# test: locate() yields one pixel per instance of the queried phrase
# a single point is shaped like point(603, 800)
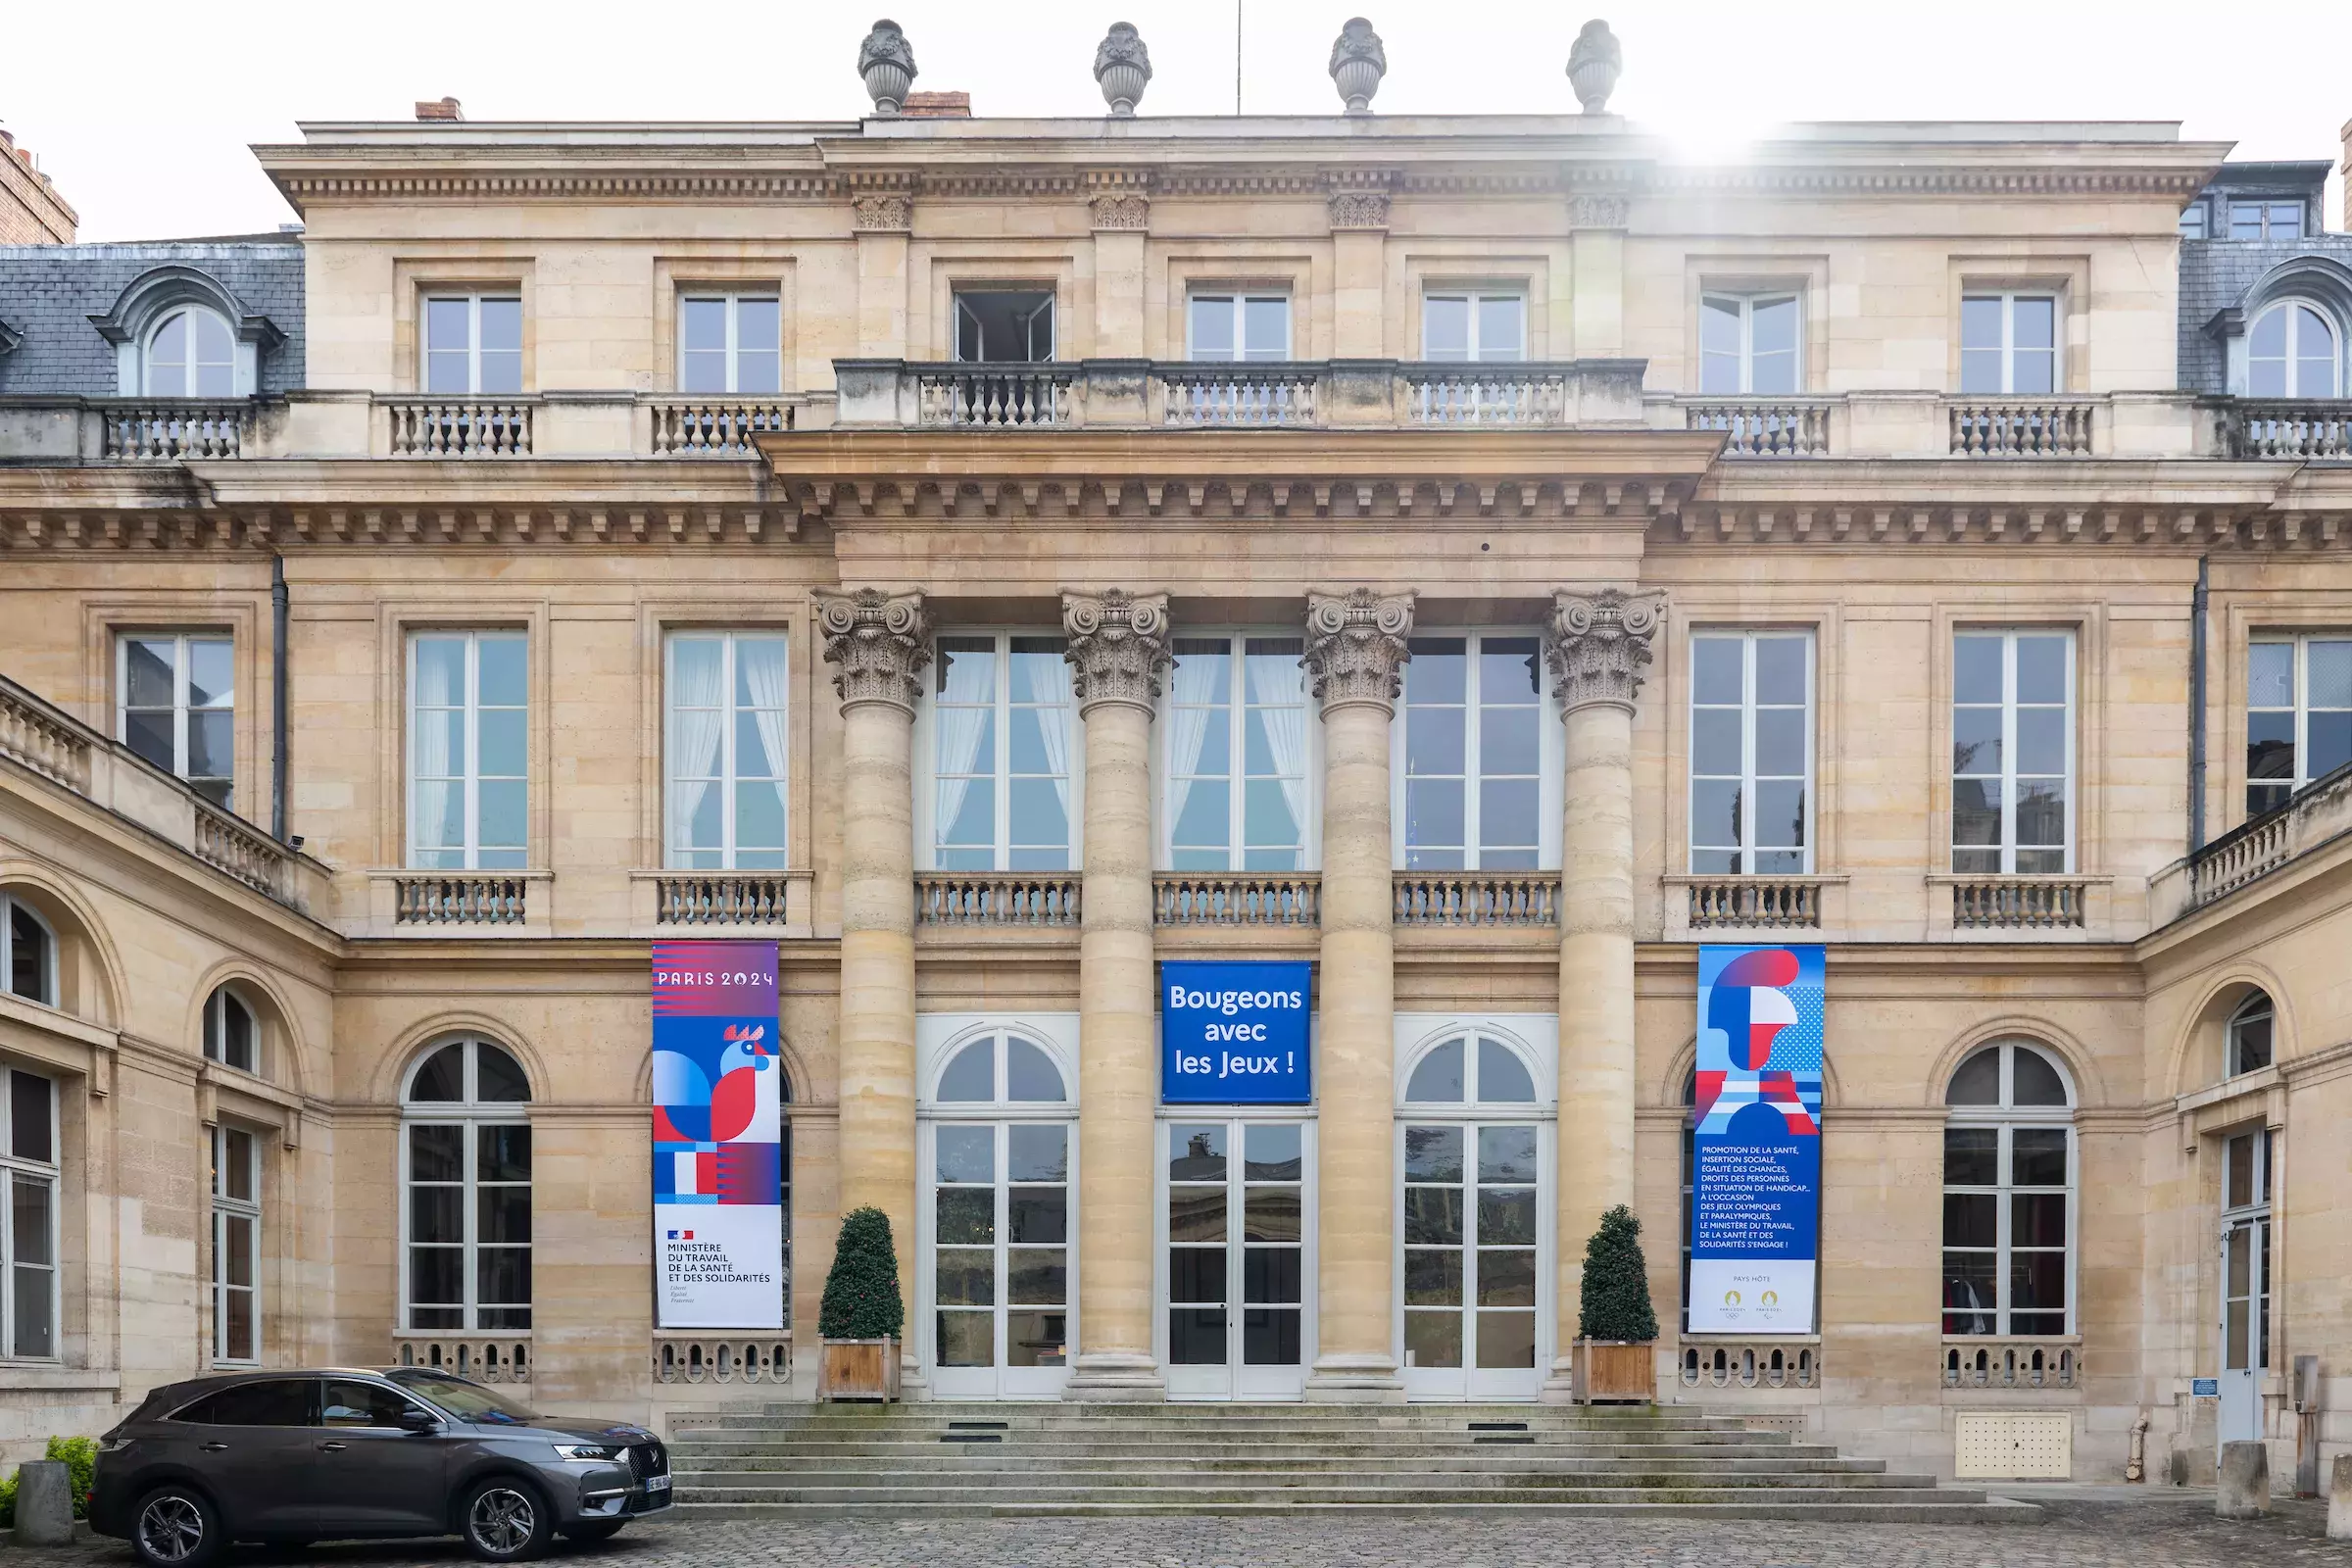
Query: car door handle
point(214, 1447)
point(332, 1448)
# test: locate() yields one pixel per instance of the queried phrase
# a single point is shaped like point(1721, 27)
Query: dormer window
point(2292, 352)
point(2266, 219)
point(192, 353)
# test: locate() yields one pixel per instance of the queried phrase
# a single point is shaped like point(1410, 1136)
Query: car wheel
point(504, 1520)
point(176, 1527)
point(595, 1530)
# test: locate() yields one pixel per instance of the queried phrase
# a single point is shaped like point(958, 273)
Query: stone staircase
point(1058, 1460)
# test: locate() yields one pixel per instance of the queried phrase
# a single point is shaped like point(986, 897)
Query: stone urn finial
point(1123, 65)
point(887, 64)
point(1595, 61)
point(1357, 63)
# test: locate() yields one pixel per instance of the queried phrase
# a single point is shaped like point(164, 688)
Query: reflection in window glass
point(2008, 1196)
point(2298, 715)
point(1752, 752)
point(175, 706)
point(1474, 781)
point(730, 343)
point(2012, 752)
point(473, 344)
point(29, 1167)
point(1001, 727)
point(468, 751)
point(467, 1212)
point(2009, 344)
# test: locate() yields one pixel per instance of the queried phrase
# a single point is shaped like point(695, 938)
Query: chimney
point(938, 105)
point(441, 109)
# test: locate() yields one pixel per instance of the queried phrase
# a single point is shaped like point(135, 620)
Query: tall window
point(730, 343)
point(1237, 755)
point(2246, 1196)
point(2266, 219)
point(465, 1225)
point(473, 343)
point(2009, 343)
point(1000, 754)
point(2292, 352)
point(2250, 1028)
point(236, 1245)
point(1752, 752)
point(231, 1035)
point(727, 784)
point(1747, 344)
point(2008, 1194)
point(29, 1220)
point(1013, 325)
point(468, 751)
point(1473, 779)
point(2298, 715)
point(192, 353)
point(1239, 325)
point(1470, 324)
point(175, 706)
point(28, 952)
point(2013, 752)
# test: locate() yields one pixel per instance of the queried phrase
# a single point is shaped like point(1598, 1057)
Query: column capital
point(881, 642)
point(1118, 646)
point(1598, 643)
point(1355, 649)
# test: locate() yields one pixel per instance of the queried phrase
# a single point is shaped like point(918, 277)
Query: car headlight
point(582, 1450)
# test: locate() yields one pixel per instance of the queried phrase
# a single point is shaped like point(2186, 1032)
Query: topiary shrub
point(1616, 1293)
point(861, 1293)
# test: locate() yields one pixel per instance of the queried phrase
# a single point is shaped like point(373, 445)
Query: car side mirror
point(414, 1420)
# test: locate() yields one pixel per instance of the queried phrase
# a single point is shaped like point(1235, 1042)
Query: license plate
point(656, 1482)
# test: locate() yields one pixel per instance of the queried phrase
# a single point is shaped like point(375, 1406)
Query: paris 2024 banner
point(1755, 1194)
point(718, 1148)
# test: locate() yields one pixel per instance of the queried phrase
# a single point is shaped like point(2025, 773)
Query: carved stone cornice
point(1598, 645)
point(1130, 212)
point(1118, 646)
point(1359, 208)
point(888, 213)
point(1356, 646)
point(880, 643)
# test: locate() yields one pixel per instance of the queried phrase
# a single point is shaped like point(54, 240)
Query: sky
point(151, 140)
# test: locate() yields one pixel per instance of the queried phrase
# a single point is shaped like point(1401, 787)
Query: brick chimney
point(441, 109)
point(938, 105)
point(31, 212)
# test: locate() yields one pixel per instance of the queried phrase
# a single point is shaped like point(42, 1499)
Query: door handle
point(332, 1448)
point(214, 1447)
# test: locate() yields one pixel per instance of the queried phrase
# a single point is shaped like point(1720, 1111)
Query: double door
point(998, 1272)
point(1475, 1255)
point(2245, 1284)
point(1237, 1227)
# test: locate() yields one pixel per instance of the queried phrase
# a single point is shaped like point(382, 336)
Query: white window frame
point(2301, 643)
point(1477, 352)
point(467, 1115)
point(474, 299)
point(2256, 1007)
point(1747, 305)
point(2009, 775)
point(2009, 350)
point(928, 827)
point(472, 779)
point(216, 1029)
point(1236, 1378)
point(1237, 301)
point(729, 777)
point(2197, 220)
point(240, 374)
point(2268, 207)
point(732, 300)
point(1550, 753)
point(50, 996)
point(2008, 1117)
point(13, 1168)
point(184, 644)
point(1237, 704)
point(1747, 638)
point(227, 1209)
point(2294, 307)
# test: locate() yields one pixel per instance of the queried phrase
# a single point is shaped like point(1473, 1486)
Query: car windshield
point(460, 1398)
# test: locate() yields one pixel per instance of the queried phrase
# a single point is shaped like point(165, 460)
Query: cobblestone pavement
point(2150, 1534)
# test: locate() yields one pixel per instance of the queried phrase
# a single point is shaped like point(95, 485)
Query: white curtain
point(1275, 687)
point(436, 690)
point(697, 695)
point(1194, 686)
point(1049, 680)
point(762, 661)
point(962, 716)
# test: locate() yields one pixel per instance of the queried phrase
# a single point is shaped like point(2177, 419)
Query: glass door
point(1000, 1269)
point(1477, 1298)
point(2245, 1284)
point(1235, 1214)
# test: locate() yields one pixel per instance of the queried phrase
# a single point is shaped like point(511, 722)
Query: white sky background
point(148, 137)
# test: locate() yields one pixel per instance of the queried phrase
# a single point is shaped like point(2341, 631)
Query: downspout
point(2196, 711)
point(277, 697)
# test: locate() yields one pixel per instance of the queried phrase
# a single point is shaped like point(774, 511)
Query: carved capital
point(1118, 646)
point(883, 215)
point(1127, 212)
point(880, 642)
point(1598, 645)
point(1359, 208)
point(1355, 648)
point(1599, 210)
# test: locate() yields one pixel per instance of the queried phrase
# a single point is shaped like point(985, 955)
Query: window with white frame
point(2266, 219)
point(1752, 752)
point(176, 704)
point(2195, 220)
point(1475, 779)
point(473, 344)
point(236, 1243)
point(2013, 752)
point(1240, 324)
point(2008, 1194)
point(2249, 1035)
point(468, 751)
point(2292, 352)
point(730, 343)
point(1235, 757)
point(2009, 343)
point(726, 748)
point(2298, 715)
point(1001, 727)
point(1747, 345)
point(1469, 325)
point(28, 1159)
point(28, 952)
point(232, 1035)
point(466, 1177)
point(192, 353)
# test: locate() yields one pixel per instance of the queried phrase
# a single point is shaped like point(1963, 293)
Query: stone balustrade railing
point(1978, 1363)
point(2019, 902)
point(2315, 815)
point(997, 898)
point(176, 430)
point(1778, 1363)
point(763, 1360)
point(2298, 430)
point(459, 428)
point(1477, 898)
point(460, 897)
point(1236, 898)
point(714, 426)
point(484, 1358)
point(43, 739)
point(994, 396)
point(1755, 901)
point(731, 898)
point(244, 851)
point(1503, 393)
point(1238, 394)
point(1763, 428)
point(2019, 427)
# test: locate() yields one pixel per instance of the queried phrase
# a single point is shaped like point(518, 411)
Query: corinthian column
point(879, 643)
point(1356, 647)
point(1597, 645)
point(1118, 651)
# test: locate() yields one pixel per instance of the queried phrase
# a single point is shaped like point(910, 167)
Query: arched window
point(1000, 1068)
point(1469, 1069)
point(2009, 1171)
point(232, 1035)
point(192, 353)
point(28, 952)
point(467, 1177)
point(2250, 1028)
point(2292, 352)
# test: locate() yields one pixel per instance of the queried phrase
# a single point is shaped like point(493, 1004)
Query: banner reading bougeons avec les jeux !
point(719, 1155)
point(1755, 1188)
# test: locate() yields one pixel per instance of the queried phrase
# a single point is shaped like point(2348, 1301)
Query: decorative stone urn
point(1595, 61)
point(1123, 65)
point(1357, 63)
point(887, 64)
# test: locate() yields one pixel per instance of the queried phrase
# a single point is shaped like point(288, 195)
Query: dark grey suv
point(343, 1453)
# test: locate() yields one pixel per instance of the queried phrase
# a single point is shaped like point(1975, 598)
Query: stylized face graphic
point(1747, 1005)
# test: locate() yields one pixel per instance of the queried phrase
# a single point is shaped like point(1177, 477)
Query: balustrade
point(1762, 427)
point(250, 855)
point(34, 733)
point(997, 898)
point(459, 428)
point(2297, 429)
point(996, 396)
point(1754, 902)
point(1478, 897)
point(1226, 394)
point(484, 1358)
point(706, 1359)
point(715, 427)
point(723, 898)
point(460, 898)
point(2019, 427)
point(174, 429)
point(2260, 847)
point(2011, 1364)
point(2027, 903)
point(1486, 394)
point(1760, 1364)
point(1240, 897)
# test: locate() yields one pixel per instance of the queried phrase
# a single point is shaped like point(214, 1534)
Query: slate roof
point(48, 294)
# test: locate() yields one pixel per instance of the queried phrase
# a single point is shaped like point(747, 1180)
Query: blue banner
point(1234, 1034)
point(1755, 1198)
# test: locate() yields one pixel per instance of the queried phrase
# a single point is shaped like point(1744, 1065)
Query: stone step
point(690, 1453)
point(716, 1483)
point(1051, 1413)
point(1942, 1507)
point(992, 1459)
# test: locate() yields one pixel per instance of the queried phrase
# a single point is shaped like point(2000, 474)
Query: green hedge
point(861, 1299)
point(80, 1456)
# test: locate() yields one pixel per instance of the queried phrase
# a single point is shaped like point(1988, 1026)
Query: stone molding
point(1359, 208)
point(1118, 646)
point(879, 640)
point(882, 214)
point(1129, 211)
point(1599, 210)
point(1598, 645)
point(1356, 646)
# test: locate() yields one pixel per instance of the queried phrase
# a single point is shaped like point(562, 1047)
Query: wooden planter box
point(858, 1369)
point(1616, 1372)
